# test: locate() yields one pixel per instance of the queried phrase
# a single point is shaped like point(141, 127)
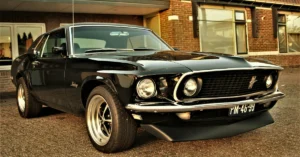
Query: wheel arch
point(90, 83)
point(21, 74)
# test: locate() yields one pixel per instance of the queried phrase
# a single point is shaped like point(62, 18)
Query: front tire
point(27, 105)
point(110, 127)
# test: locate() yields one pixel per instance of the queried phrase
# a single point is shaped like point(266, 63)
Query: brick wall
point(5, 83)
point(282, 60)
point(265, 40)
point(287, 1)
point(179, 33)
point(53, 20)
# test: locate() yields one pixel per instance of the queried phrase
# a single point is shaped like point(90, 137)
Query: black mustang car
point(122, 77)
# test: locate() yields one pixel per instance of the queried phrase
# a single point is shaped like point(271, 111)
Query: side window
point(55, 39)
point(40, 46)
point(34, 44)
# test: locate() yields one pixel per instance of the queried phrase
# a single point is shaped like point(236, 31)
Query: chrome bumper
point(169, 107)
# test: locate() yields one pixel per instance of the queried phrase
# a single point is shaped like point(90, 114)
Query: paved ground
point(61, 134)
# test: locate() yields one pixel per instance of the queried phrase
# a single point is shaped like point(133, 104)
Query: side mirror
point(59, 50)
point(176, 49)
point(34, 55)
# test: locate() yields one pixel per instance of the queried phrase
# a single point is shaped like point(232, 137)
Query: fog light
point(184, 116)
point(266, 105)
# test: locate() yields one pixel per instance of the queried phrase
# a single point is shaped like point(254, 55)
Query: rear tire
point(27, 105)
point(110, 127)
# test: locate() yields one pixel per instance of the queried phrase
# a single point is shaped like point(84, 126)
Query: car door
point(48, 71)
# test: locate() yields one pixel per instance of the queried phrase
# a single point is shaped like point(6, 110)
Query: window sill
point(269, 53)
point(5, 67)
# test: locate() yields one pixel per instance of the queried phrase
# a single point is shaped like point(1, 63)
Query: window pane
point(282, 39)
point(40, 46)
point(240, 16)
point(215, 15)
point(115, 38)
point(5, 46)
point(56, 39)
point(241, 38)
point(26, 35)
point(90, 43)
point(281, 18)
point(293, 30)
point(217, 37)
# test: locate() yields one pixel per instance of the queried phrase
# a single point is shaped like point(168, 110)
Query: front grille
point(229, 83)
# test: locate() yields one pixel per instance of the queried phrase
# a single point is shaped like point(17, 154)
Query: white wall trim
point(260, 53)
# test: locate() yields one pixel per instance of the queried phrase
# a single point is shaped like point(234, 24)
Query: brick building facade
point(179, 32)
point(268, 29)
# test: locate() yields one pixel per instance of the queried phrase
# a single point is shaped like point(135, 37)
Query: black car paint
point(50, 79)
point(63, 82)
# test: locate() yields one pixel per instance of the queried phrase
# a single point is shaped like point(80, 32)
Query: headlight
point(269, 81)
point(191, 87)
point(146, 88)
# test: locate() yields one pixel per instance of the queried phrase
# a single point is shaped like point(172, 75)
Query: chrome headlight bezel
point(198, 84)
point(139, 88)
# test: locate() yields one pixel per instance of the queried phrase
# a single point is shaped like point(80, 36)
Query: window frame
point(235, 23)
point(284, 24)
point(7, 67)
point(14, 41)
point(243, 23)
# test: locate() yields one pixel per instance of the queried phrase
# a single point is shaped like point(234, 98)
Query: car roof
point(98, 24)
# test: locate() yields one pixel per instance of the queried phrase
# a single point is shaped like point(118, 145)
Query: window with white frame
point(289, 33)
point(222, 31)
point(15, 40)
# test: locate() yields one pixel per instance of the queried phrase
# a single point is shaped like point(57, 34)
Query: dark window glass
point(55, 39)
point(40, 46)
point(34, 44)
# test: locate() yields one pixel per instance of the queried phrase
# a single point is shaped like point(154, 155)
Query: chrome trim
point(189, 100)
point(216, 70)
point(169, 107)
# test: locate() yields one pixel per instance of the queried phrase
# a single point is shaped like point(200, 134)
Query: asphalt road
point(61, 134)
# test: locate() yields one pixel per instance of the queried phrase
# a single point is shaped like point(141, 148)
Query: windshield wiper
point(101, 50)
point(107, 50)
point(144, 49)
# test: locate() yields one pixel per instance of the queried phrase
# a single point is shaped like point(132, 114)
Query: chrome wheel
point(99, 120)
point(21, 98)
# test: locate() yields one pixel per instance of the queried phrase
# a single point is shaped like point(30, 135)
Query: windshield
point(88, 39)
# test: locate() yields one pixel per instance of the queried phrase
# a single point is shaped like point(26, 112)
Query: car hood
point(175, 61)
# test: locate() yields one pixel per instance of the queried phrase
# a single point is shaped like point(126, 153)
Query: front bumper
point(174, 107)
point(196, 132)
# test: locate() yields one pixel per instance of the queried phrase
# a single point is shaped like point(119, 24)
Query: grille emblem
point(251, 83)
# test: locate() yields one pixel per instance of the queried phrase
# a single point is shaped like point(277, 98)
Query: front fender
point(101, 80)
point(120, 84)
